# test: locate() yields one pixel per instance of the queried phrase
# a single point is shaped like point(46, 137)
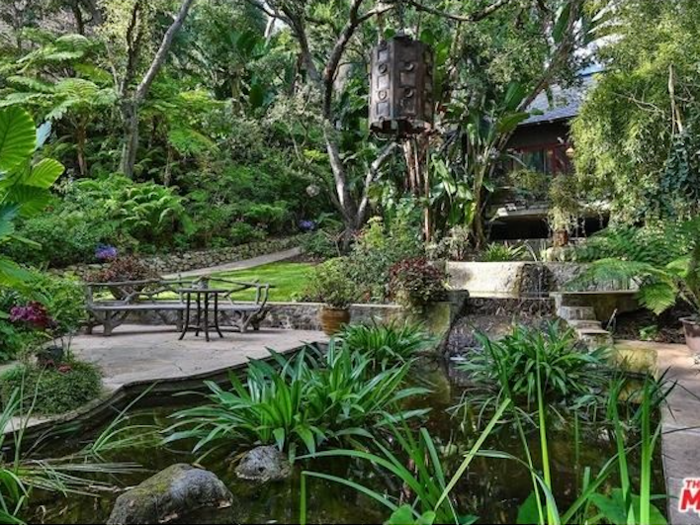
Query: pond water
point(492, 489)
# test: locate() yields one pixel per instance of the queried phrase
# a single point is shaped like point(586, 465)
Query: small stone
point(264, 464)
point(175, 491)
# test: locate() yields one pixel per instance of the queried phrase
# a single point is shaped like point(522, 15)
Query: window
point(549, 159)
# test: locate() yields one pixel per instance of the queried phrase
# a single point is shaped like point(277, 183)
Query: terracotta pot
point(691, 326)
point(333, 319)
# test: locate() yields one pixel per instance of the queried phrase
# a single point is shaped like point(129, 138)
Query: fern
point(665, 269)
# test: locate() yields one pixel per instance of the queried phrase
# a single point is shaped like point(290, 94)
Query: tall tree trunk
point(130, 118)
point(418, 181)
point(130, 104)
point(478, 230)
point(81, 136)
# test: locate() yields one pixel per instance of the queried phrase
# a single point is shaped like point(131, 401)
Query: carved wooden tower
point(401, 95)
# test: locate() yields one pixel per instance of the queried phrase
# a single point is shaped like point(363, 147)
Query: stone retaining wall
point(438, 317)
point(186, 261)
point(512, 279)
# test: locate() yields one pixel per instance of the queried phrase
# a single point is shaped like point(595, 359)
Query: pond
point(492, 489)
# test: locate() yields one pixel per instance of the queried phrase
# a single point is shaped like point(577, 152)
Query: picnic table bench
point(109, 304)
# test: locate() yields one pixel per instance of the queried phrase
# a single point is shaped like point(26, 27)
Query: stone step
point(595, 337)
point(584, 324)
point(576, 313)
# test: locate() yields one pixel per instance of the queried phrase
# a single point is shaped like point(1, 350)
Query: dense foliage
point(41, 309)
point(417, 282)
point(329, 284)
point(387, 344)
point(636, 134)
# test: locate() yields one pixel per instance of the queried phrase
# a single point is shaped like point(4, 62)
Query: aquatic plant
point(387, 344)
point(308, 400)
point(20, 473)
point(424, 480)
point(570, 374)
point(617, 505)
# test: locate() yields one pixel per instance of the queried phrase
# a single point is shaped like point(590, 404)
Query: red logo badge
point(690, 496)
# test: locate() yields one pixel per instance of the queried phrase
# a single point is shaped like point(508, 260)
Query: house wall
point(540, 135)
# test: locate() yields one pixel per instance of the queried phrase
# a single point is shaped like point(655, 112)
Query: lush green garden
point(143, 139)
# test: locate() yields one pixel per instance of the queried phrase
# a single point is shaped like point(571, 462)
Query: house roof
point(559, 103)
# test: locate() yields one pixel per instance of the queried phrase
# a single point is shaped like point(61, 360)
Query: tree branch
point(473, 17)
point(560, 55)
point(341, 44)
point(372, 172)
point(162, 52)
point(131, 49)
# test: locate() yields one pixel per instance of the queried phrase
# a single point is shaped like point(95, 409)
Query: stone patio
point(142, 355)
point(153, 353)
point(680, 442)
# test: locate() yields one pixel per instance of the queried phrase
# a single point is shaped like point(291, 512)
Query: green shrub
point(53, 390)
point(63, 300)
point(312, 398)
point(330, 284)
point(387, 344)
point(63, 238)
point(109, 210)
point(242, 233)
point(657, 245)
point(497, 252)
point(376, 251)
point(321, 244)
point(455, 246)
point(269, 217)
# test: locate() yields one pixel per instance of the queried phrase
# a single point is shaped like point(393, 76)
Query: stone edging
point(94, 413)
point(195, 260)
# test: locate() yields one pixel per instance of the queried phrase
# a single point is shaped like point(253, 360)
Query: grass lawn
point(288, 279)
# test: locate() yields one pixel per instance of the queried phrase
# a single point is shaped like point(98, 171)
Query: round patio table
point(202, 298)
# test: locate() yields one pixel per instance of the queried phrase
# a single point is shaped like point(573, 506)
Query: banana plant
point(24, 180)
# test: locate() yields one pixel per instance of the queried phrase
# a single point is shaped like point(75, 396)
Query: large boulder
point(172, 492)
point(264, 464)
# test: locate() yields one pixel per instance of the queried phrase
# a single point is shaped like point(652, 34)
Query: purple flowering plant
point(105, 252)
point(307, 225)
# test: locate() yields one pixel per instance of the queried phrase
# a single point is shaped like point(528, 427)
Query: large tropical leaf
point(8, 212)
point(44, 174)
point(32, 200)
point(17, 137)
point(11, 274)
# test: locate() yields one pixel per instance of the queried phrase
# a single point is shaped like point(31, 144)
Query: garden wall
point(511, 279)
point(186, 261)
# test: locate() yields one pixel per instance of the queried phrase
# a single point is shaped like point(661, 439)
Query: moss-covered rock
point(169, 494)
point(264, 464)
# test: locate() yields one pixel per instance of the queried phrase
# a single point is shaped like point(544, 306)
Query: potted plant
point(331, 286)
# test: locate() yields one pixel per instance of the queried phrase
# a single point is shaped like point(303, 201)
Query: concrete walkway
point(239, 265)
point(680, 443)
